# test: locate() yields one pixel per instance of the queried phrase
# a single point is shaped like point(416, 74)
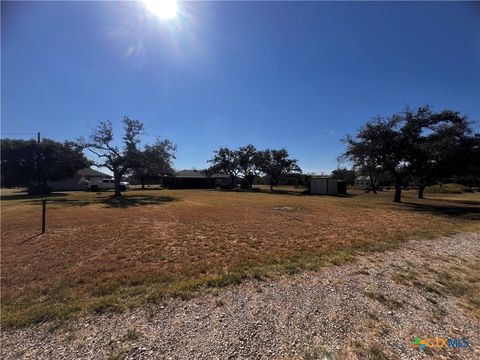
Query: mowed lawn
point(101, 254)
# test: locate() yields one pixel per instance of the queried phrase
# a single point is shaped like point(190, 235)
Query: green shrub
point(448, 189)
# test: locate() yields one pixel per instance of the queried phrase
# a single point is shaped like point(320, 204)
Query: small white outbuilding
point(323, 185)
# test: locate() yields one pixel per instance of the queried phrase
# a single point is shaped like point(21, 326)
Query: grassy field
point(101, 254)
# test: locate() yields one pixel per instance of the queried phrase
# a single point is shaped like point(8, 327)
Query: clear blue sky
point(300, 75)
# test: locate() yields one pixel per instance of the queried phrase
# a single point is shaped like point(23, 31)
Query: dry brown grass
point(100, 254)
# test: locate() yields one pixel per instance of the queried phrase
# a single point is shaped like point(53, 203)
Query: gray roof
point(91, 172)
point(198, 174)
point(362, 178)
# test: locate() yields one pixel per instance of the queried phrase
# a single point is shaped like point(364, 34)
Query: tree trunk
point(372, 182)
point(142, 181)
point(398, 189)
point(421, 189)
point(271, 185)
point(250, 179)
point(117, 177)
point(233, 181)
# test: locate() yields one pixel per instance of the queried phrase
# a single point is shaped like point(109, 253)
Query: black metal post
point(44, 208)
point(39, 165)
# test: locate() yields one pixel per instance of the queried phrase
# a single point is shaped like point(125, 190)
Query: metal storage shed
point(323, 185)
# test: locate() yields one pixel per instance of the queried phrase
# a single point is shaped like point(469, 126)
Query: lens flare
point(163, 9)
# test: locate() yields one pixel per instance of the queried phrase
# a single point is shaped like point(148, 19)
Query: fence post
point(44, 206)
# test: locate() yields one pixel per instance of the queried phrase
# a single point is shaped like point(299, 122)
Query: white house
point(78, 181)
point(363, 182)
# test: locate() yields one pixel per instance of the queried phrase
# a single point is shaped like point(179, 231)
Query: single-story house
point(198, 179)
point(78, 181)
point(363, 182)
point(326, 185)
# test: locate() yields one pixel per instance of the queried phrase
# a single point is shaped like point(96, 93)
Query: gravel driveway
point(370, 308)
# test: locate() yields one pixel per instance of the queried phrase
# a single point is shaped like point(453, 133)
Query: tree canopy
point(119, 160)
point(128, 157)
point(250, 162)
point(155, 161)
point(225, 161)
point(344, 174)
point(32, 164)
point(275, 163)
point(419, 143)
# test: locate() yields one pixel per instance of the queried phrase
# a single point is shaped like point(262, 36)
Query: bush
point(448, 189)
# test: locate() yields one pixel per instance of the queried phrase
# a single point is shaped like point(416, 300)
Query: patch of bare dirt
point(371, 308)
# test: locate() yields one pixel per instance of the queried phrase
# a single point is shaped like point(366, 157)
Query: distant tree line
point(33, 164)
point(418, 144)
point(249, 163)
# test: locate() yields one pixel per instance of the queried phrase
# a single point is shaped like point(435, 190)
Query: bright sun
point(163, 9)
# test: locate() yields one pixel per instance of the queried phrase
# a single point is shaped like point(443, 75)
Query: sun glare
point(163, 9)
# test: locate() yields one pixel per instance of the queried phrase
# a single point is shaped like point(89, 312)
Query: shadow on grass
point(453, 201)
point(137, 200)
point(347, 196)
point(25, 196)
point(31, 237)
point(112, 202)
point(468, 211)
point(301, 193)
point(277, 192)
point(146, 188)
